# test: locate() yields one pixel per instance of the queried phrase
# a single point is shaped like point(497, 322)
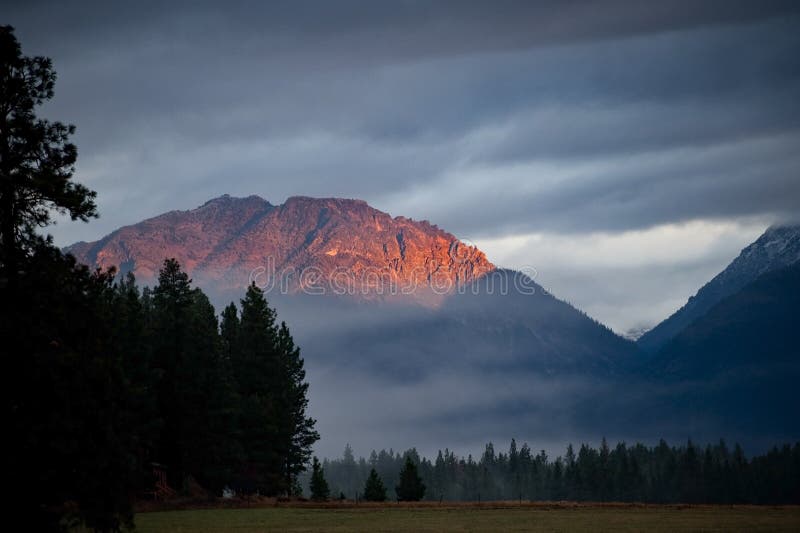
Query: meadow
point(474, 517)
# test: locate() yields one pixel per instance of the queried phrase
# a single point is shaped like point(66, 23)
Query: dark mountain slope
point(778, 247)
point(752, 330)
point(503, 322)
point(733, 372)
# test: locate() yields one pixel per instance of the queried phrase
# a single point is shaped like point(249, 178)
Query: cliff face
point(312, 245)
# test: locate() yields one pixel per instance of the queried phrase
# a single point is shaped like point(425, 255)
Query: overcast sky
point(627, 150)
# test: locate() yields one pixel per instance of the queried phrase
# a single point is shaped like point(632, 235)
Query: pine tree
point(196, 394)
point(65, 397)
point(130, 337)
point(36, 158)
point(211, 413)
point(319, 486)
point(349, 469)
point(277, 434)
point(229, 331)
point(71, 411)
point(257, 368)
point(172, 302)
point(374, 491)
point(411, 488)
point(299, 432)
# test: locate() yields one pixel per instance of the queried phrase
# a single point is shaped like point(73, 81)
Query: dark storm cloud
point(405, 30)
point(745, 178)
point(684, 109)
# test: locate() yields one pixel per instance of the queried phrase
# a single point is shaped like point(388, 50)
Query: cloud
point(565, 118)
point(443, 409)
point(632, 278)
point(754, 177)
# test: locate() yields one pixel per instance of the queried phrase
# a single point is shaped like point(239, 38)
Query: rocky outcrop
point(313, 245)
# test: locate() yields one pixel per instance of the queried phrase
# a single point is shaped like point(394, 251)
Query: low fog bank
point(488, 368)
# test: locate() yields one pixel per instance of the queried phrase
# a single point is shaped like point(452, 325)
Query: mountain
point(778, 247)
point(503, 322)
point(748, 332)
point(736, 368)
point(427, 330)
point(311, 245)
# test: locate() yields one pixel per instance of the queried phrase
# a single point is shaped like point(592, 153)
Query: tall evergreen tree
point(299, 431)
point(71, 413)
point(411, 488)
point(277, 433)
point(36, 158)
point(196, 395)
point(374, 491)
point(319, 486)
point(130, 337)
point(65, 396)
point(172, 302)
point(257, 369)
point(211, 404)
point(229, 331)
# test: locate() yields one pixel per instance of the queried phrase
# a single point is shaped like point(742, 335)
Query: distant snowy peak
point(778, 247)
point(633, 334)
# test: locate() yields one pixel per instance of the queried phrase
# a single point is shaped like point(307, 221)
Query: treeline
point(637, 473)
point(108, 384)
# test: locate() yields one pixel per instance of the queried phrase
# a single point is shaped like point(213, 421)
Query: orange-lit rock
point(331, 245)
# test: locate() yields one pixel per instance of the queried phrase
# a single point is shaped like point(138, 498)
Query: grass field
point(536, 517)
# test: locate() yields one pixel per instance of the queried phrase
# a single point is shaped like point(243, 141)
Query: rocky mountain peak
point(332, 245)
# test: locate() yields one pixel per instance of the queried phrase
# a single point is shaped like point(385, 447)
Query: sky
point(625, 150)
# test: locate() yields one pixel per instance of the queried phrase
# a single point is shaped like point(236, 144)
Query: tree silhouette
point(319, 486)
point(65, 396)
point(276, 432)
point(299, 432)
point(374, 491)
point(411, 488)
point(36, 158)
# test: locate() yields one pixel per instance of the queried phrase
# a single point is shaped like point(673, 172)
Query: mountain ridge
point(227, 241)
point(777, 247)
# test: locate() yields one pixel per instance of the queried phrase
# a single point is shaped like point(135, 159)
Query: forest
point(659, 474)
point(112, 385)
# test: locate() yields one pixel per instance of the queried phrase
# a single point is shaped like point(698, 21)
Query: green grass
point(471, 518)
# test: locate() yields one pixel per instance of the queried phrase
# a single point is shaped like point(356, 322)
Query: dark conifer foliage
point(104, 382)
point(319, 486)
point(298, 433)
point(410, 488)
point(36, 158)
point(232, 397)
point(109, 380)
point(69, 409)
point(689, 473)
point(256, 367)
point(374, 490)
point(75, 416)
point(229, 330)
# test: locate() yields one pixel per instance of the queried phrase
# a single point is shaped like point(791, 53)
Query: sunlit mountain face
point(313, 246)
